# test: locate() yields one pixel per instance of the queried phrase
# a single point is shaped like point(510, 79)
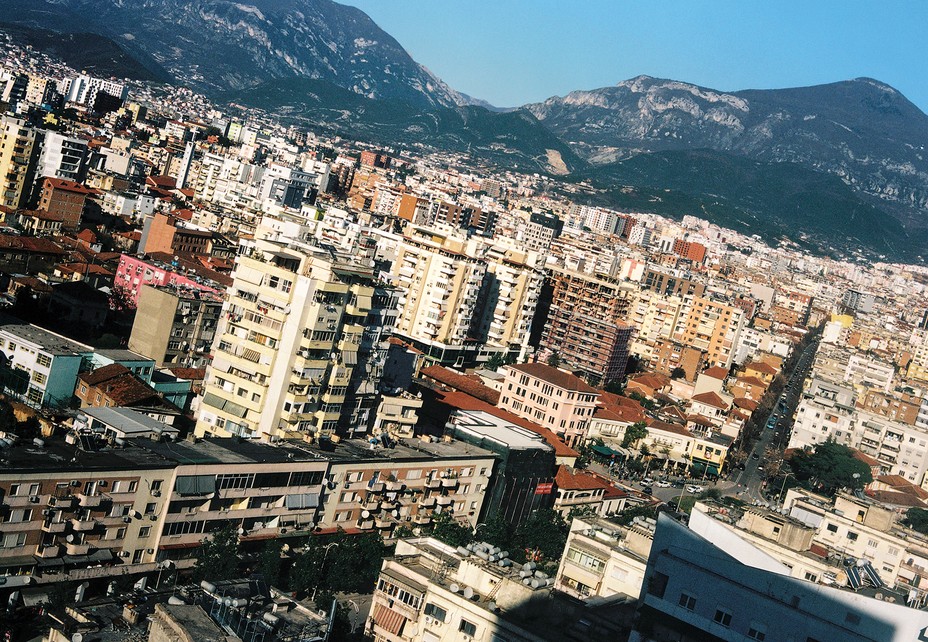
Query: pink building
point(134, 272)
point(556, 399)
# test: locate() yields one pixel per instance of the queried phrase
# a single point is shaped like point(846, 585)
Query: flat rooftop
point(497, 429)
point(402, 450)
point(54, 344)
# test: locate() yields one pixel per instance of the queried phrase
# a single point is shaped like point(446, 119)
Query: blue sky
point(511, 52)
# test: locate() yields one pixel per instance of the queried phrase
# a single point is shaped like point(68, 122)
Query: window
point(832, 528)
point(150, 508)
point(44, 360)
point(39, 378)
point(468, 628)
point(757, 632)
point(14, 489)
point(585, 560)
point(13, 540)
point(687, 601)
point(436, 612)
point(851, 535)
point(156, 485)
point(145, 531)
point(722, 617)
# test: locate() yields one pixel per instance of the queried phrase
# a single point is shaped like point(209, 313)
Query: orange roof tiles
point(711, 399)
point(465, 383)
point(568, 478)
point(555, 377)
point(716, 372)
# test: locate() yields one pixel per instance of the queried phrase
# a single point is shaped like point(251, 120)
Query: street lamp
point(783, 487)
point(322, 567)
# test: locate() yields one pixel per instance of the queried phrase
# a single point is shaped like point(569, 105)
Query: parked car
point(647, 490)
point(693, 488)
point(662, 483)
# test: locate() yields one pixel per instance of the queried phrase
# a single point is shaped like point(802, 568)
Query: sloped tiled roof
point(472, 385)
point(711, 399)
point(555, 377)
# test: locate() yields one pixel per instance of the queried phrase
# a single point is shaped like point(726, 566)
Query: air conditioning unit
point(34, 499)
point(127, 519)
point(156, 493)
point(124, 553)
point(153, 517)
point(102, 482)
point(150, 551)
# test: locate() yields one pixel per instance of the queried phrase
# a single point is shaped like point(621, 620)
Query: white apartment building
point(825, 411)
point(286, 354)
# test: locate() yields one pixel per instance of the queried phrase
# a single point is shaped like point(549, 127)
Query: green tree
point(270, 562)
point(8, 421)
point(543, 533)
point(917, 519)
point(353, 566)
point(678, 373)
point(217, 559)
point(495, 530)
point(628, 515)
point(830, 467)
point(496, 361)
point(554, 359)
point(634, 433)
point(451, 531)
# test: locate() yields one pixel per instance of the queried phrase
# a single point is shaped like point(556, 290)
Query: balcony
point(427, 503)
point(422, 520)
point(433, 483)
point(449, 483)
point(54, 527)
point(373, 505)
point(91, 501)
point(383, 523)
point(445, 501)
point(366, 524)
point(376, 488)
point(48, 551)
point(82, 525)
point(72, 548)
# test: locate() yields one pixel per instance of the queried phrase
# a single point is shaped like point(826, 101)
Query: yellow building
point(17, 152)
point(712, 326)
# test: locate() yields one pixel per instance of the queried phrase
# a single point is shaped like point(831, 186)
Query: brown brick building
point(65, 199)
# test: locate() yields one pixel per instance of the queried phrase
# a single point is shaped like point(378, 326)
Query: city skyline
point(502, 53)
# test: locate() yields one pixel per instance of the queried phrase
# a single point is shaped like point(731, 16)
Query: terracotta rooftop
point(120, 385)
point(555, 376)
point(667, 427)
point(652, 380)
point(716, 372)
point(30, 244)
point(472, 385)
point(67, 186)
point(751, 381)
point(747, 404)
point(711, 399)
point(568, 478)
point(760, 366)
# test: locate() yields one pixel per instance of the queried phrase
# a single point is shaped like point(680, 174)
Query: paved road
point(752, 478)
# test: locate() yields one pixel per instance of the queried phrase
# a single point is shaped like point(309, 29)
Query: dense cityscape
point(263, 383)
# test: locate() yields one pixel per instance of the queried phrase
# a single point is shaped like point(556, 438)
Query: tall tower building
point(712, 326)
point(288, 357)
point(17, 161)
point(587, 325)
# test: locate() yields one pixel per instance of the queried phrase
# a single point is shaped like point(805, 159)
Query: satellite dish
point(77, 637)
point(454, 588)
point(468, 593)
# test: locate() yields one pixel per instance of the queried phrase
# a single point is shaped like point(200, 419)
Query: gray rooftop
point(130, 422)
point(48, 341)
point(492, 428)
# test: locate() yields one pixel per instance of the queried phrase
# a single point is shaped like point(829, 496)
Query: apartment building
point(377, 489)
point(587, 324)
point(133, 272)
point(712, 326)
point(430, 591)
point(18, 150)
point(439, 279)
point(674, 601)
point(602, 559)
point(554, 399)
point(62, 157)
point(65, 199)
point(825, 411)
point(42, 366)
point(287, 349)
point(175, 325)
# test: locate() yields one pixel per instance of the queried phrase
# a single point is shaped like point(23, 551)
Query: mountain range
point(837, 167)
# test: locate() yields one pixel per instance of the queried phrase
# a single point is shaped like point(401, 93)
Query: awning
point(388, 619)
point(350, 357)
point(103, 555)
point(50, 562)
point(188, 485)
point(33, 598)
point(302, 500)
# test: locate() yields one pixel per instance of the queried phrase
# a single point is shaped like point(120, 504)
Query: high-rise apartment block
point(17, 152)
point(175, 326)
point(587, 325)
point(286, 354)
point(710, 325)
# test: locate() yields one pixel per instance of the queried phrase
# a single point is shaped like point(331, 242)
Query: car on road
point(647, 481)
point(647, 490)
point(693, 488)
point(662, 483)
point(755, 456)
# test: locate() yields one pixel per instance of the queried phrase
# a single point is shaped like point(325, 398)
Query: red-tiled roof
point(867, 459)
point(747, 404)
point(36, 245)
point(666, 427)
point(751, 381)
point(555, 377)
point(67, 186)
point(568, 478)
point(716, 372)
point(465, 383)
point(652, 380)
point(464, 401)
point(760, 366)
point(711, 399)
point(193, 374)
point(895, 498)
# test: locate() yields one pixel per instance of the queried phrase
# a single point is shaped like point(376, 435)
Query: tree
point(495, 362)
point(543, 534)
point(496, 530)
point(830, 467)
point(217, 559)
point(628, 515)
point(634, 433)
point(917, 519)
point(451, 531)
point(678, 373)
point(270, 562)
point(554, 359)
